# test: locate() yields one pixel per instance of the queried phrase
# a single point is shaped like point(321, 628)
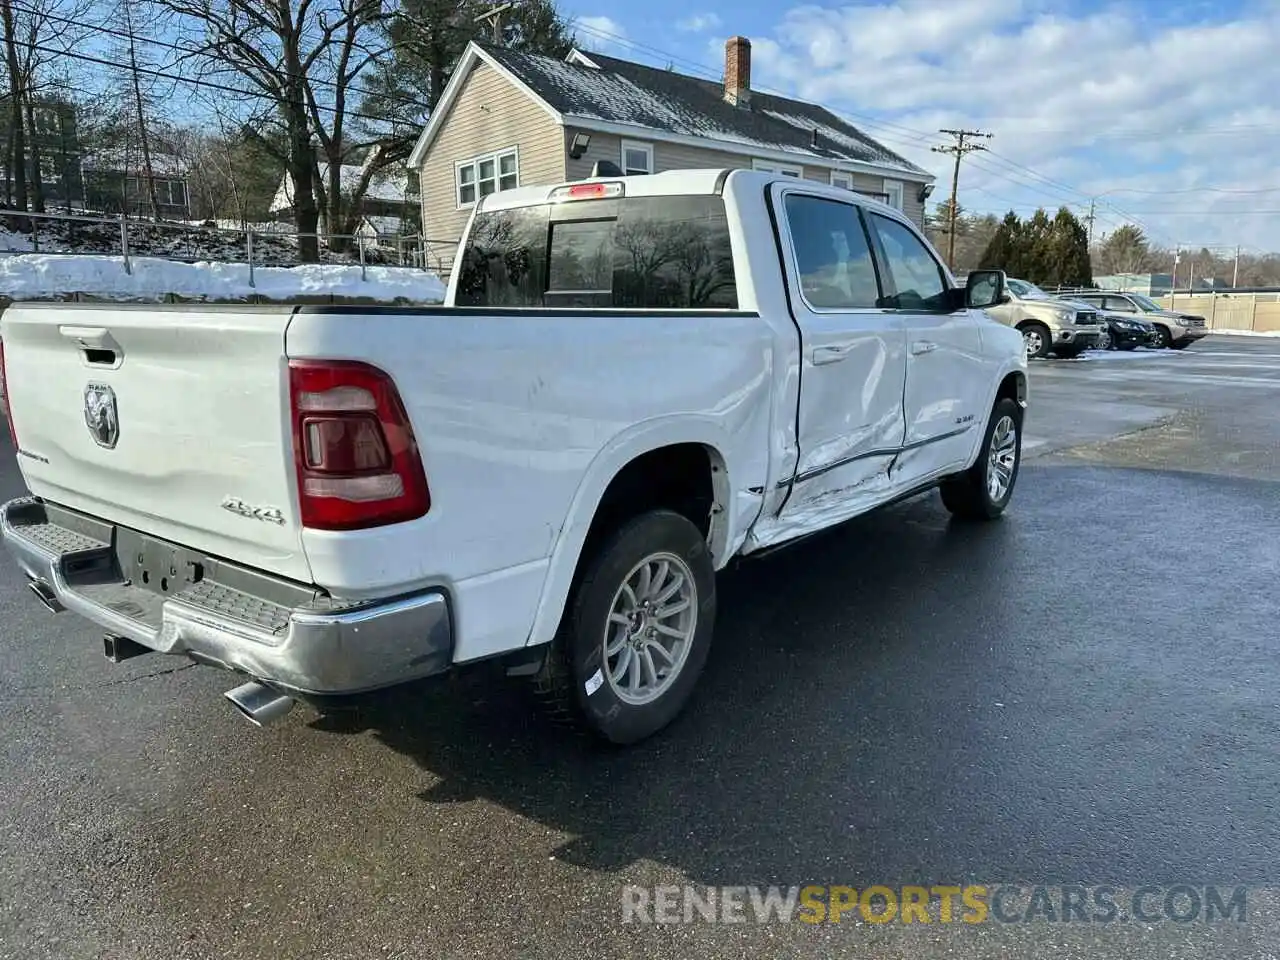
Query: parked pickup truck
point(632, 382)
point(1049, 324)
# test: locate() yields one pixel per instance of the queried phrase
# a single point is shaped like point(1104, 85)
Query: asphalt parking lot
point(1082, 694)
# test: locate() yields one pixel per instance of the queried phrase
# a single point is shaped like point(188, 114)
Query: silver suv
point(1173, 329)
point(1048, 324)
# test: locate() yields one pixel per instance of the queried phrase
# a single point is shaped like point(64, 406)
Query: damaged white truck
point(632, 381)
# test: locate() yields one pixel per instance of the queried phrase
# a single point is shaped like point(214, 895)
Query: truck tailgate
point(172, 422)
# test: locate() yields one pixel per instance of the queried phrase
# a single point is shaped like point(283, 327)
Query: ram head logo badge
point(101, 414)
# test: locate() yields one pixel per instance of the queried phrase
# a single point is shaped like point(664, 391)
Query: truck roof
point(686, 182)
point(668, 183)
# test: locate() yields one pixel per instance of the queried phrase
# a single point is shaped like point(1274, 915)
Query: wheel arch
point(689, 466)
point(1012, 383)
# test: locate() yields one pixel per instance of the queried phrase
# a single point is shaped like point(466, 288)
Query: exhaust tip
point(44, 593)
point(260, 705)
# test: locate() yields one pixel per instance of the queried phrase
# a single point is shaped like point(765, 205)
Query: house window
point(637, 158)
point(786, 169)
point(893, 191)
point(842, 180)
point(46, 122)
point(482, 176)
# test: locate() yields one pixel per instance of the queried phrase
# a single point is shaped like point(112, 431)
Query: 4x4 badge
point(101, 414)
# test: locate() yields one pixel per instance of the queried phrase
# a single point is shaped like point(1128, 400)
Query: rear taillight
point(4, 399)
point(357, 461)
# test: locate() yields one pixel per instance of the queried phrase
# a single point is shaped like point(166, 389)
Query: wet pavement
point(1082, 694)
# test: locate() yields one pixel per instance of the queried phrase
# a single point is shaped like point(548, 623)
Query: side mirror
point(985, 288)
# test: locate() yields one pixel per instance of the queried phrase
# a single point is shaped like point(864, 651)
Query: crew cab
point(632, 381)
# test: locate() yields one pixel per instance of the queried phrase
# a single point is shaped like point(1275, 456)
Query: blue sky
point(1164, 113)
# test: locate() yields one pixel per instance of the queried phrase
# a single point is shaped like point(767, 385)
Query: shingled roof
point(592, 87)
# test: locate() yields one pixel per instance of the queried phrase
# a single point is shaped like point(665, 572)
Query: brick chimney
point(737, 71)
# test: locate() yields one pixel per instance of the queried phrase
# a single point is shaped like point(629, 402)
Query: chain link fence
point(258, 245)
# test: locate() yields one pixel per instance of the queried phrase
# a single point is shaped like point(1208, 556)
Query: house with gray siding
point(509, 119)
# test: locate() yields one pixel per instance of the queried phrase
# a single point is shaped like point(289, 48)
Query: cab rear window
point(635, 252)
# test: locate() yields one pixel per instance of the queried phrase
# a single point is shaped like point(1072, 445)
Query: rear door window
point(833, 257)
point(634, 252)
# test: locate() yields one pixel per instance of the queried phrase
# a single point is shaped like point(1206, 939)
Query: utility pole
point(1235, 272)
point(494, 16)
point(958, 149)
point(1089, 219)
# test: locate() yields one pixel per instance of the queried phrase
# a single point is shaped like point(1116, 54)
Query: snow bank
point(37, 276)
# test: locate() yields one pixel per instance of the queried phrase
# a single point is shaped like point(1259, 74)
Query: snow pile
point(14, 241)
point(43, 276)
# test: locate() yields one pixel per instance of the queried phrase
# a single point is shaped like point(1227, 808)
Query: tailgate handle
point(97, 346)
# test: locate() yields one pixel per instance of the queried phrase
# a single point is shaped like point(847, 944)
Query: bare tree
point(298, 62)
point(141, 101)
point(36, 35)
point(17, 134)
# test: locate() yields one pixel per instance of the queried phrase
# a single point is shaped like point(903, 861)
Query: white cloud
point(699, 23)
point(1115, 99)
point(600, 33)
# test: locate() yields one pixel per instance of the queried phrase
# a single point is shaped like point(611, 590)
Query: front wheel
point(1161, 338)
point(1036, 339)
point(636, 632)
point(983, 491)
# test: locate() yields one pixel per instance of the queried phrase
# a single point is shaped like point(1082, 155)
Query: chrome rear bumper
point(283, 634)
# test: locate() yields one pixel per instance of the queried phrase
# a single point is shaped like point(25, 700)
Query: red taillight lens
point(357, 459)
point(4, 399)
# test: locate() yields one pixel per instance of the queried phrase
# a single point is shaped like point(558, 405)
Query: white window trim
point(892, 189)
point(641, 145)
point(772, 166)
point(496, 157)
point(844, 176)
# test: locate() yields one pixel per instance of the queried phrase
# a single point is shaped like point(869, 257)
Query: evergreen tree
point(427, 39)
point(1003, 252)
point(1066, 252)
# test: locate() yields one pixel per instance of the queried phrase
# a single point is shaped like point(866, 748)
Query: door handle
point(97, 345)
point(832, 353)
point(923, 346)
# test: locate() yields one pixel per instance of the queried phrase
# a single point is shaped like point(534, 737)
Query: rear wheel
point(1105, 341)
point(983, 491)
point(636, 631)
point(1035, 337)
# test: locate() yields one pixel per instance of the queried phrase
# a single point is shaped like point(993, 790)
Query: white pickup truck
point(633, 381)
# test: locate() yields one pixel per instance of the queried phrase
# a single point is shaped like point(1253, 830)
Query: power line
point(189, 52)
point(958, 150)
point(194, 82)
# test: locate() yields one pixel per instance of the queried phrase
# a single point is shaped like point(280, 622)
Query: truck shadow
point(890, 702)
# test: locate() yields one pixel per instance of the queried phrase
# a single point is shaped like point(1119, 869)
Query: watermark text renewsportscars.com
point(939, 903)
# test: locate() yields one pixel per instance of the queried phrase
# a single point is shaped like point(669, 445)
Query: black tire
point(1068, 352)
point(1162, 338)
point(966, 495)
point(1046, 339)
point(572, 684)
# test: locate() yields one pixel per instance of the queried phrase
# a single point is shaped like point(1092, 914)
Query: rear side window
point(833, 258)
point(635, 252)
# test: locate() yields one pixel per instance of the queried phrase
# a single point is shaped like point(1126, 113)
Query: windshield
point(1147, 305)
point(1027, 291)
